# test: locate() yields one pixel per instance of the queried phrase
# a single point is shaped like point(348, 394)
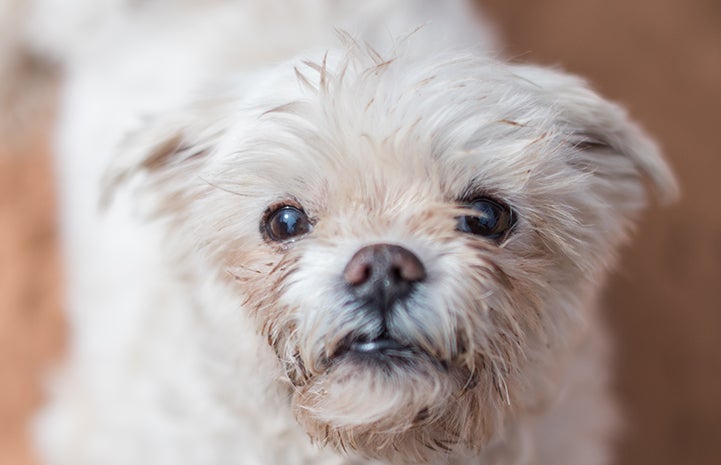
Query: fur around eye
point(286, 222)
point(491, 219)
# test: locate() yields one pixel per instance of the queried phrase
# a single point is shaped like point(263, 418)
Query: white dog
point(377, 244)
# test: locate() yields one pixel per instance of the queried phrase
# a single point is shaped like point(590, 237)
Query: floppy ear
point(163, 160)
point(609, 144)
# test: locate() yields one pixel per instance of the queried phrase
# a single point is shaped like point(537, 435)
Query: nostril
point(396, 274)
point(408, 267)
point(357, 271)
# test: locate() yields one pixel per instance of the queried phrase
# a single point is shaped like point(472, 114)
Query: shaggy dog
point(377, 244)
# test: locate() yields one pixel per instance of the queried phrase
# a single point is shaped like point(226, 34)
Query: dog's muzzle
point(379, 276)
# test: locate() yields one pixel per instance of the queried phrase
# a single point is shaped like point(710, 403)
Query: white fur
point(174, 295)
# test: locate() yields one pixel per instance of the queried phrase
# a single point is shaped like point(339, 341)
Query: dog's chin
point(385, 400)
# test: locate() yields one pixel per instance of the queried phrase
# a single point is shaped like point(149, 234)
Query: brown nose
point(383, 273)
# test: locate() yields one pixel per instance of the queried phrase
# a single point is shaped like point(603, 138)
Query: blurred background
point(660, 58)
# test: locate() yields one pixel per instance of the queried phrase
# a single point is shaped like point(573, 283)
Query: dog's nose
point(383, 273)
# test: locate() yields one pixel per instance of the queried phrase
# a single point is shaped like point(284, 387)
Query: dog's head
point(418, 238)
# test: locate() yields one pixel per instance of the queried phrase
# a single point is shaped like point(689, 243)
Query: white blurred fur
point(174, 296)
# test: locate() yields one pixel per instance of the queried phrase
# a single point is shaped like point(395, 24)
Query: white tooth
point(365, 346)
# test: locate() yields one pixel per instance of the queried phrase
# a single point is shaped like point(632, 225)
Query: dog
point(334, 233)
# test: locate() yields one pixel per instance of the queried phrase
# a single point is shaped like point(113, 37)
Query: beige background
point(662, 59)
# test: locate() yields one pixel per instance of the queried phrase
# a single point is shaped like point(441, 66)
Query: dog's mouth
point(383, 347)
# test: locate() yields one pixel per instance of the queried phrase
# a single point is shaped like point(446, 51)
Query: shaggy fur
point(198, 339)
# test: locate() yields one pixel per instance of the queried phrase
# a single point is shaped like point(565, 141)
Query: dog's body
point(207, 329)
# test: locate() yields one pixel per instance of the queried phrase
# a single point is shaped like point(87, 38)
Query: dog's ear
point(608, 143)
point(164, 158)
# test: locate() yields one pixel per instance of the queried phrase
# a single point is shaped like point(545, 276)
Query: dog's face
point(417, 238)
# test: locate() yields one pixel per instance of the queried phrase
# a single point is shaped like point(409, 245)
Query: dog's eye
point(491, 219)
point(287, 222)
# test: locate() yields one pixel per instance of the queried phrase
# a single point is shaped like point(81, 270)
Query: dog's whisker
point(221, 188)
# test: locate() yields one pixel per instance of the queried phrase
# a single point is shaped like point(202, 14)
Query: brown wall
point(662, 59)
